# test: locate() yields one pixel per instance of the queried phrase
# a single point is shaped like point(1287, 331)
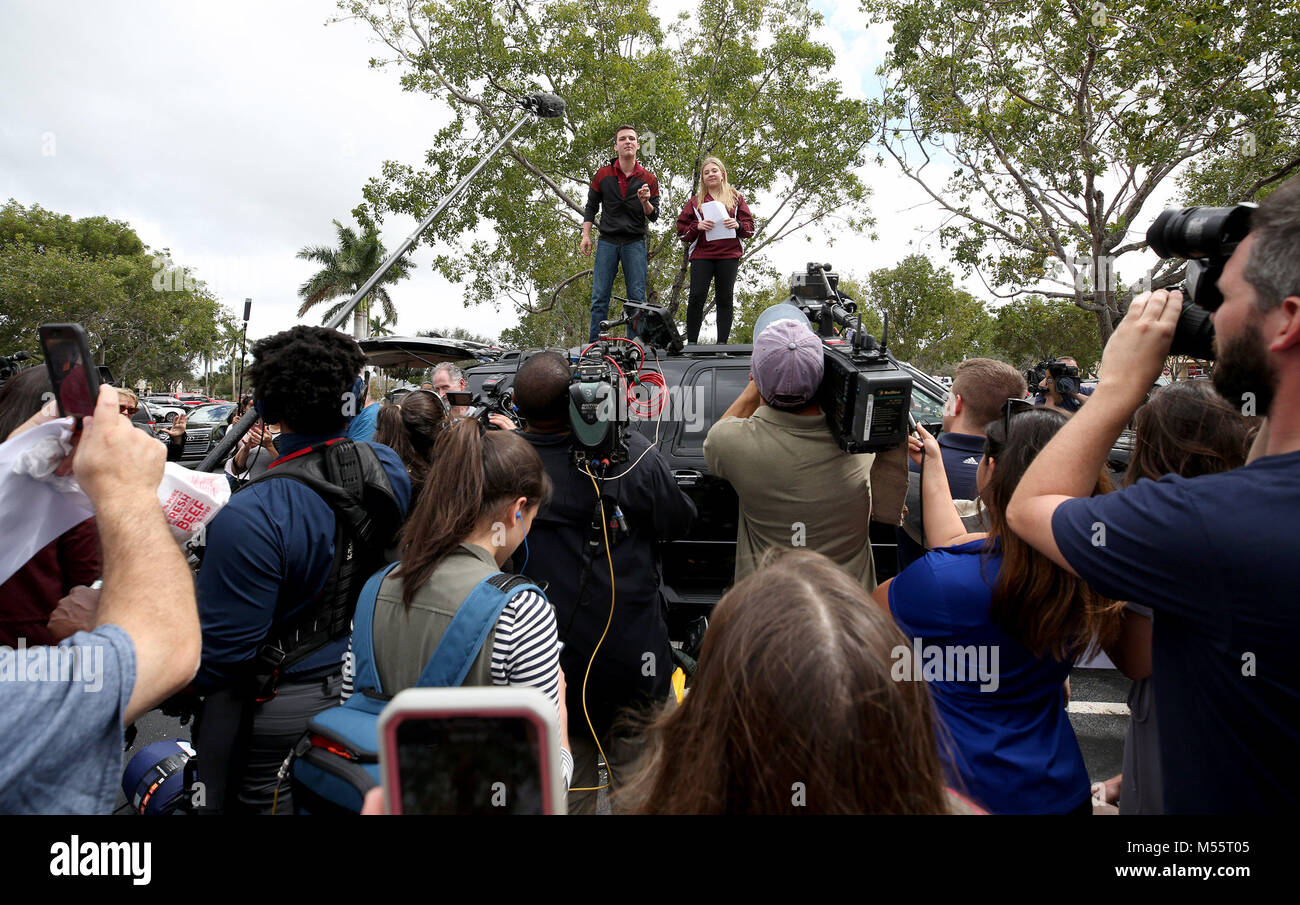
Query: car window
point(211, 414)
point(693, 407)
point(925, 407)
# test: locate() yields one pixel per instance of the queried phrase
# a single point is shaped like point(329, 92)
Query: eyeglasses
point(128, 409)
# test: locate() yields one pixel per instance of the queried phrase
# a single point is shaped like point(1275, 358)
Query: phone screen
point(73, 374)
point(469, 765)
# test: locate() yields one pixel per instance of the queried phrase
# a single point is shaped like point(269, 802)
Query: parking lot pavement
point(1099, 713)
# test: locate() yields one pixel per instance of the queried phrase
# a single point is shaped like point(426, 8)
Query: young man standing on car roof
point(627, 194)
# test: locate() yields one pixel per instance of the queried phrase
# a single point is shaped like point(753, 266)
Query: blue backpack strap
point(464, 638)
point(363, 634)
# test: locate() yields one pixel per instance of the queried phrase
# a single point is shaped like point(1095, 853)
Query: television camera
point(866, 396)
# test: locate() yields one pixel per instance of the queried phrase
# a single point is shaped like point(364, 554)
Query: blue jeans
point(608, 255)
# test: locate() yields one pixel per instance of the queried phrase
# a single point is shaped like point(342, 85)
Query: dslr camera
point(1206, 237)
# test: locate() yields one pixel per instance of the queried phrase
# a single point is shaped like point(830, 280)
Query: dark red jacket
point(720, 249)
point(622, 219)
point(29, 595)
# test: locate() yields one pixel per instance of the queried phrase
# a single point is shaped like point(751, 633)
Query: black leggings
point(702, 274)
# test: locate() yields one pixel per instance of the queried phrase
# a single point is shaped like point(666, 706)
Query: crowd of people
point(818, 689)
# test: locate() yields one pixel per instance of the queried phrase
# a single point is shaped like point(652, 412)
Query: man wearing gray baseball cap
point(796, 486)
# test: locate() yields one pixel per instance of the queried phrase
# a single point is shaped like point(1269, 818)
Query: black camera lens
point(1199, 232)
point(1194, 335)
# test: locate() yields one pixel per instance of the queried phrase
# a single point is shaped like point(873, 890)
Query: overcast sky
point(232, 133)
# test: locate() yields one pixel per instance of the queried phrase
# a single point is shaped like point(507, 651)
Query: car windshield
point(211, 414)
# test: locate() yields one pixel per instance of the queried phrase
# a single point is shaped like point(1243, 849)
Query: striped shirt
point(525, 652)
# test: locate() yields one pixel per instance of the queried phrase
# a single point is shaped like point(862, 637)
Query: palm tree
point(229, 343)
point(381, 326)
point(346, 267)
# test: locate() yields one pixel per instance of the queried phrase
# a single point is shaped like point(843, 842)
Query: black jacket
point(622, 219)
point(560, 553)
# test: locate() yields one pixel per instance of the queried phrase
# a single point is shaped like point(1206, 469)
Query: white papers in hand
point(713, 210)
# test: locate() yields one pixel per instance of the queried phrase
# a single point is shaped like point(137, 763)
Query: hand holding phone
point(73, 374)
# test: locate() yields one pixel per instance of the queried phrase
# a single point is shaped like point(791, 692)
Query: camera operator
point(1061, 387)
point(633, 666)
point(796, 486)
point(447, 378)
point(1209, 555)
point(274, 569)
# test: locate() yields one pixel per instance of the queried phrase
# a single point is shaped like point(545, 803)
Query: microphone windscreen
point(547, 105)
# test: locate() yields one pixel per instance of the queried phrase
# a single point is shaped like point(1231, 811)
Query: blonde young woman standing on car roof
point(713, 261)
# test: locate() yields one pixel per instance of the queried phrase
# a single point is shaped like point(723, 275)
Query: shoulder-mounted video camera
point(495, 398)
point(9, 365)
point(1065, 377)
point(866, 395)
point(1206, 237)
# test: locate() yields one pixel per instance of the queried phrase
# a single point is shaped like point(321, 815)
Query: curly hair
point(302, 378)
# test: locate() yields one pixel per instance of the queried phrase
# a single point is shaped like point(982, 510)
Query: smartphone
point(479, 750)
point(73, 374)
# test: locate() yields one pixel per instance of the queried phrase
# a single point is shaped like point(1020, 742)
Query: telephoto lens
point(1194, 335)
point(1199, 232)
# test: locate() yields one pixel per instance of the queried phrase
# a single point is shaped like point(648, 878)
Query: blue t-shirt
point(1009, 745)
point(61, 720)
point(270, 535)
point(1214, 557)
point(362, 428)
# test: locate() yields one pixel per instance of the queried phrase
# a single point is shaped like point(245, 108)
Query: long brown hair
point(793, 708)
point(478, 473)
point(1044, 607)
point(1186, 429)
point(410, 429)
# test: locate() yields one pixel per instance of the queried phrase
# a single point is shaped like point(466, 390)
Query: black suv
point(706, 380)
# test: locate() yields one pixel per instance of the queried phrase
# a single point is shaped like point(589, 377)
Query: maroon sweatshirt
point(721, 249)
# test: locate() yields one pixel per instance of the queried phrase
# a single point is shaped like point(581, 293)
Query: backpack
point(336, 761)
point(350, 478)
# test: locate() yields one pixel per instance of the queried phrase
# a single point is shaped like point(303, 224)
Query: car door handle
point(686, 477)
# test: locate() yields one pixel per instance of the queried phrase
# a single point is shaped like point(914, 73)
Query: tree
point(1043, 127)
point(145, 316)
point(1031, 329)
point(346, 267)
point(932, 323)
point(380, 326)
point(231, 345)
point(736, 78)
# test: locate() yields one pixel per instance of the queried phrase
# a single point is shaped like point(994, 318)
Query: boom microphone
point(544, 105)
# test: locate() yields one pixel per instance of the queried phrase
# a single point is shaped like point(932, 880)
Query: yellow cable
point(608, 622)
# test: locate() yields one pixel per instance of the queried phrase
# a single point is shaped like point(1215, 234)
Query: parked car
point(205, 426)
point(192, 400)
point(699, 567)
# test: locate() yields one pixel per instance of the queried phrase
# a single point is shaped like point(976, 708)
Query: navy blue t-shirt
point(1013, 748)
point(961, 459)
point(1069, 403)
point(1215, 557)
point(271, 534)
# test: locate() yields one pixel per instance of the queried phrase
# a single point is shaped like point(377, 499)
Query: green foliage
point(932, 323)
point(1029, 330)
point(346, 267)
point(1045, 126)
point(145, 317)
point(735, 78)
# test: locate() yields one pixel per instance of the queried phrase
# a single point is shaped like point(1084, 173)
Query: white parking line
point(1104, 708)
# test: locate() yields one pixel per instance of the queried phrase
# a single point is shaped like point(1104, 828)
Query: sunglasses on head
point(1013, 407)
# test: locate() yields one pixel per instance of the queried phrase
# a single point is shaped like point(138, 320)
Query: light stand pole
point(243, 349)
point(543, 106)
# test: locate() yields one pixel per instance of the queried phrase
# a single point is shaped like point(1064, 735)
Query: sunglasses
point(128, 409)
point(1013, 407)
